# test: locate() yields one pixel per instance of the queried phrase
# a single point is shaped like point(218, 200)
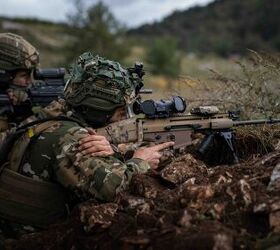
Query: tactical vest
point(23, 199)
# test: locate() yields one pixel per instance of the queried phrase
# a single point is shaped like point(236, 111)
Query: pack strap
point(20, 146)
point(58, 118)
point(9, 142)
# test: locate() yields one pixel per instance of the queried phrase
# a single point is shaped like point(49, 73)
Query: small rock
point(261, 208)
point(185, 219)
point(183, 169)
point(274, 184)
point(223, 242)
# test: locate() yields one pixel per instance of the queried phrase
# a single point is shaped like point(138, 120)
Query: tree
point(95, 29)
point(163, 57)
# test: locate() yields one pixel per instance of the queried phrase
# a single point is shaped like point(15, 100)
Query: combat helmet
point(98, 86)
point(101, 84)
point(16, 53)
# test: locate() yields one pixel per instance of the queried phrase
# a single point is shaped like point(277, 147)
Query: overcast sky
point(129, 12)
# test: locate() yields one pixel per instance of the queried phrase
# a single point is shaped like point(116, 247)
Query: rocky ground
point(186, 205)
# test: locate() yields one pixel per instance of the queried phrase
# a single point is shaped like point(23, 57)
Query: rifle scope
point(49, 73)
point(160, 109)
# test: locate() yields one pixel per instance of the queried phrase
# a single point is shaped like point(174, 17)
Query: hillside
point(224, 27)
point(48, 37)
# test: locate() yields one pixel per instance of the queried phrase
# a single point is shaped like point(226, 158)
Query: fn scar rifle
point(164, 121)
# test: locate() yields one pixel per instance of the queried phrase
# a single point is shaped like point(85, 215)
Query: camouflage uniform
point(97, 86)
point(54, 156)
point(54, 109)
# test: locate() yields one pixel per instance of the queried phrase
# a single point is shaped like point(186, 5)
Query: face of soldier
point(22, 78)
point(120, 114)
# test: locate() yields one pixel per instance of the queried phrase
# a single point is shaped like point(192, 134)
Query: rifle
point(165, 121)
point(48, 85)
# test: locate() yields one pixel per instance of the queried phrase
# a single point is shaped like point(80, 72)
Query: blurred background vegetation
point(225, 53)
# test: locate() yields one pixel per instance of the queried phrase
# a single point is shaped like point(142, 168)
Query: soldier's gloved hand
point(95, 145)
point(152, 154)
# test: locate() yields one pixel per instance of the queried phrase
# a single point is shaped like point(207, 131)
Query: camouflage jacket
point(53, 156)
point(55, 108)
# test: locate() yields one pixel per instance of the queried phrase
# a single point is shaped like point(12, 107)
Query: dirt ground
point(186, 205)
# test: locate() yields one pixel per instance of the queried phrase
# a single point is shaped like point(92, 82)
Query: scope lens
point(179, 104)
point(160, 108)
point(148, 107)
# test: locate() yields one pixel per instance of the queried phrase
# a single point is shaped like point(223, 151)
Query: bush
point(163, 57)
point(95, 29)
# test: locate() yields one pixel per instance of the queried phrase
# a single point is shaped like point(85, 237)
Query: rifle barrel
point(255, 122)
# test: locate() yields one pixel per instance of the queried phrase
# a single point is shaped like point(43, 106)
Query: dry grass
point(254, 141)
point(250, 86)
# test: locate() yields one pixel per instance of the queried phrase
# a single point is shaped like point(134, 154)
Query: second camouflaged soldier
point(46, 173)
point(18, 58)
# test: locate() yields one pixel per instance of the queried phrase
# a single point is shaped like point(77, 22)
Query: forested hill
point(48, 37)
point(224, 27)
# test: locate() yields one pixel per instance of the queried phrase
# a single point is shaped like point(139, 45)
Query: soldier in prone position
point(45, 163)
point(18, 60)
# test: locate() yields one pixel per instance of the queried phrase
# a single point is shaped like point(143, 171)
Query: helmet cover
point(100, 84)
point(17, 53)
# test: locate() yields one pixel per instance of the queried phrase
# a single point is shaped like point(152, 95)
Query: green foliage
point(163, 57)
point(95, 29)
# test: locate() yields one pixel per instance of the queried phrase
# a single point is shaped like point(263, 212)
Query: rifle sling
point(20, 146)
